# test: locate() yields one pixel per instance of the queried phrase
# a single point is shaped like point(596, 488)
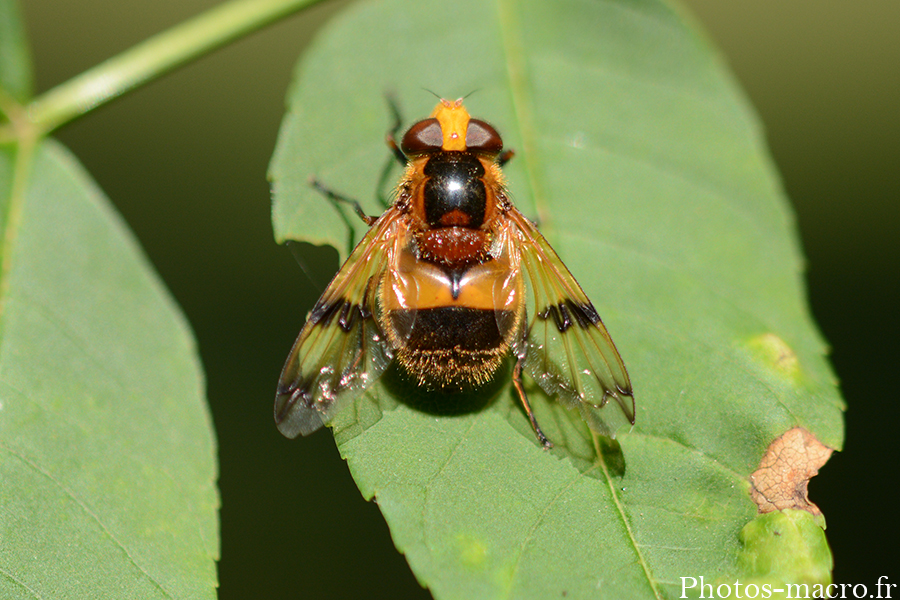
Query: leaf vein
point(90, 513)
point(20, 583)
point(626, 524)
point(540, 519)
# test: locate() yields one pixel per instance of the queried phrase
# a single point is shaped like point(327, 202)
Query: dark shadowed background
point(185, 159)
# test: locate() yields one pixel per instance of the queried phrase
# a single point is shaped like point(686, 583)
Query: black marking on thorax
point(454, 184)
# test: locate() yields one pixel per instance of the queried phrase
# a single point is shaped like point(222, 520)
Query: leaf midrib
point(512, 43)
point(625, 523)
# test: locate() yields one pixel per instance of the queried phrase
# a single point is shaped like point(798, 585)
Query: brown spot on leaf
point(785, 470)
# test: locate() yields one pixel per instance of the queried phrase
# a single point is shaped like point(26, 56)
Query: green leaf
point(15, 59)
point(107, 455)
point(648, 173)
point(786, 547)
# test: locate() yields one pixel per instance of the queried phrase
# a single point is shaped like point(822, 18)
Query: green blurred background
point(185, 158)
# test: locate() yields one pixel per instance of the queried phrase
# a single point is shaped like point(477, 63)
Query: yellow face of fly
point(454, 120)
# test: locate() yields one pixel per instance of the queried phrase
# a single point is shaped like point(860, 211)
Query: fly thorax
point(454, 194)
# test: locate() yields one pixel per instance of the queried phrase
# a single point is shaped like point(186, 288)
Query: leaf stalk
point(154, 57)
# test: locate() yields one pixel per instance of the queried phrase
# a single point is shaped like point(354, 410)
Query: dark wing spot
point(289, 395)
point(323, 312)
point(347, 314)
point(585, 314)
point(567, 313)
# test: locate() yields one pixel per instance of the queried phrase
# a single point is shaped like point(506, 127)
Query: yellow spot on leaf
point(472, 552)
point(775, 352)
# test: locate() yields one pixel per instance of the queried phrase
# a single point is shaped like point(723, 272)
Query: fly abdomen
point(453, 347)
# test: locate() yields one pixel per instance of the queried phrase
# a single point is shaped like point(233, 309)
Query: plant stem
point(154, 57)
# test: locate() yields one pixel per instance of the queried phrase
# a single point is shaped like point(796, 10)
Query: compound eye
point(481, 137)
point(424, 136)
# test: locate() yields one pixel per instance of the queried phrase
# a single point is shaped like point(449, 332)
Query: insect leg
point(335, 197)
point(505, 157)
point(520, 389)
point(391, 136)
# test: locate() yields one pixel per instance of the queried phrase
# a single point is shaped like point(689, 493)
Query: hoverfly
point(438, 286)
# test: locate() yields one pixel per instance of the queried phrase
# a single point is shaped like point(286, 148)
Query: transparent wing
point(569, 352)
point(341, 349)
